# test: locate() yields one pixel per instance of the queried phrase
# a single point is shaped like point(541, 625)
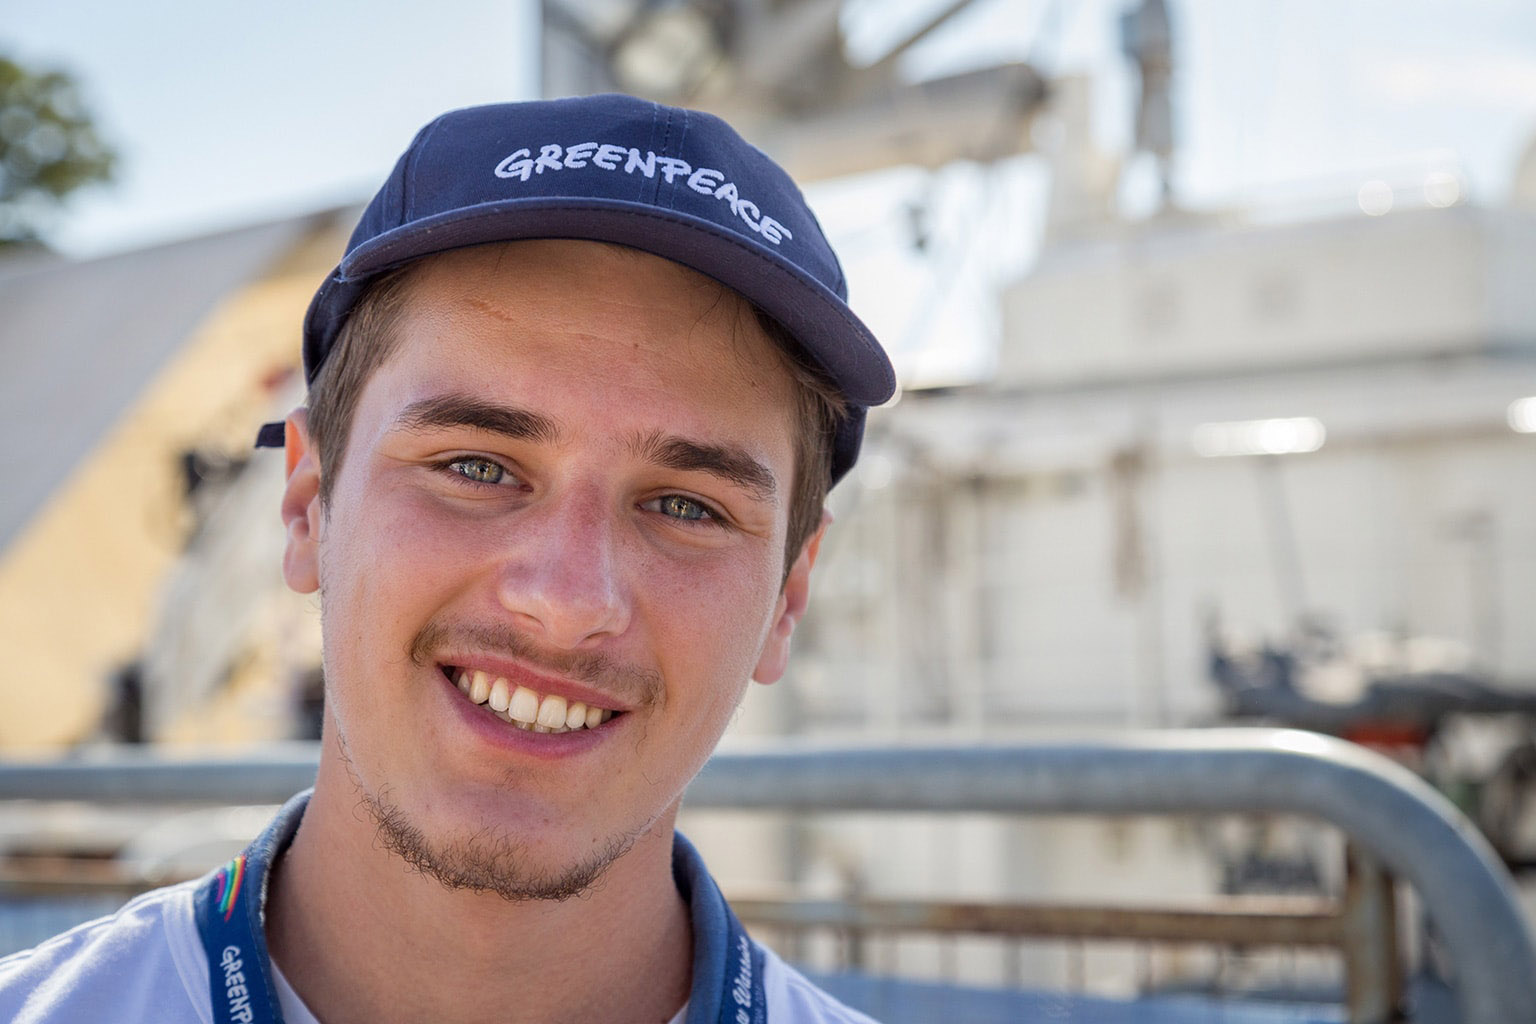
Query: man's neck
point(361, 937)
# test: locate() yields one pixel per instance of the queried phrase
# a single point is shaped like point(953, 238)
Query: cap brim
point(817, 317)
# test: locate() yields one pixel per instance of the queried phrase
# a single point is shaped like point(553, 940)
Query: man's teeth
point(479, 688)
point(552, 712)
point(526, 709)
point(524, 706)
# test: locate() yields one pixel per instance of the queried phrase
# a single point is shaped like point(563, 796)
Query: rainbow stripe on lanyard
point(232, 875)
point(727, 964)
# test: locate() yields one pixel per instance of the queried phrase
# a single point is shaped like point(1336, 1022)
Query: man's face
point(573, 476)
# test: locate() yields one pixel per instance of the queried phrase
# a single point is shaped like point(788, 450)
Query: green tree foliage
point(48, 149)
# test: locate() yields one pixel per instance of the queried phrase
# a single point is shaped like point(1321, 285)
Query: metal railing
point(1401, 827)
point(1392, 815)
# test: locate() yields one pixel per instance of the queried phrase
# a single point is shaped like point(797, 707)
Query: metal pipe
point(139, 775)
point(1386, 809)
point(1383, 807)
point(1232, 922)
point(1372, 977)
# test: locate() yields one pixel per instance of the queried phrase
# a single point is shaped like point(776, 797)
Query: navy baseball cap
point(676, 183)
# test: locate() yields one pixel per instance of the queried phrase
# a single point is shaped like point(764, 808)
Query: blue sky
point(229, 113)
point(225, 113)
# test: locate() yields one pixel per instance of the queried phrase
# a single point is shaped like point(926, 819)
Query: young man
point(577, 391)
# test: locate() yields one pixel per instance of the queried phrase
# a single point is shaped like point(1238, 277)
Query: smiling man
point(577, 391)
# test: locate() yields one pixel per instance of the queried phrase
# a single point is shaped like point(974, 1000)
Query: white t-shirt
point(146, 965)
point(295, 1012)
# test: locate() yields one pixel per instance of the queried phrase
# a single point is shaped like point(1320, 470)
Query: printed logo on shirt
point(235, 991)
point(706, 181)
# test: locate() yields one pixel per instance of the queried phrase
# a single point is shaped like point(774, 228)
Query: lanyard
point(229, 906)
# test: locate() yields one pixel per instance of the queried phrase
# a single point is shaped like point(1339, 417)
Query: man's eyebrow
point(725, 461)
point(464, 411)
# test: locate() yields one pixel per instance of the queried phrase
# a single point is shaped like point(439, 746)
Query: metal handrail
point(1384, 809)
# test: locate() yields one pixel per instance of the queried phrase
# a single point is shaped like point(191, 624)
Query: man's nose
point(562, 577)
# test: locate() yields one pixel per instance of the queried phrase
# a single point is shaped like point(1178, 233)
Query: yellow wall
point(79, 586)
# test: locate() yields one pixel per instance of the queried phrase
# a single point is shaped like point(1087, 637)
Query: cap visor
point(811, 312)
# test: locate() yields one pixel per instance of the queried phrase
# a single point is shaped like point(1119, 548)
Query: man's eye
point(679, 507)
point(481, 471)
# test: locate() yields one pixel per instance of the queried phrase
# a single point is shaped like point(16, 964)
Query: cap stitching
point(666, 147)
point(650, 191)
point(407, 171)
point(682, 138)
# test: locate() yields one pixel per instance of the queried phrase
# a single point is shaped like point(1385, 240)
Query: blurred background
point(1216, 336)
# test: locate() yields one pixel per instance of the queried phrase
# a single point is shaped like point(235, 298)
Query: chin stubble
point(488, 861)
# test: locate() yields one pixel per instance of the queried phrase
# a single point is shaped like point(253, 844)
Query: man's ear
point(301, 506)
point(790, 608)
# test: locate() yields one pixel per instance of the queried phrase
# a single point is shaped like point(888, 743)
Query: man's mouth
point(527, 709)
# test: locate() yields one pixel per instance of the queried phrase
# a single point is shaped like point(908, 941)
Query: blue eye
point(679, 507)
point(481, 471)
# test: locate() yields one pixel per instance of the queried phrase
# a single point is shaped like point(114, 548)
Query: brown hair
point(370, 336)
